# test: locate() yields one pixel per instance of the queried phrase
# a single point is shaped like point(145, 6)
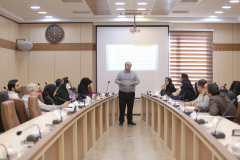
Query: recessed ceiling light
point(35, 7)
point(42, 12)
point(234, 1)
point(120, 9)
point(219, 12)
point(121, 16)
point(120, 3)
point(139, 16)
point(212, 16)
point(226, 7)
point(142, 3)
point(141, 9)
point(48, 16)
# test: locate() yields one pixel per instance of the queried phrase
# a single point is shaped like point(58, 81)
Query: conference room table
point(186, 138)
point(71, 139)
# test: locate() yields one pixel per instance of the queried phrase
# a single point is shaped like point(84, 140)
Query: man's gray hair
point(128, 62)
point(31, 87)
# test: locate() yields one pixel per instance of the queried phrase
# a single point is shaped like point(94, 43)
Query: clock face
point(54, 33)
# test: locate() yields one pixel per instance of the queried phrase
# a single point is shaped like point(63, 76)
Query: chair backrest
point(34, 109)
point(21, 108)
point(23, 91)
point(9, 115)
point(237, 114)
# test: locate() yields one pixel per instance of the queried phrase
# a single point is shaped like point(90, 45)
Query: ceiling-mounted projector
point(24, 45)
point(134, 27)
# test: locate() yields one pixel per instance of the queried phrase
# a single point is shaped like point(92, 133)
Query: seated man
point(203, 99)
point(13, 89)
point(219, 103)
point(33, 90)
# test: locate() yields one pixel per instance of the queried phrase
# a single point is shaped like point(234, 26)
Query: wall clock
point(54, 33)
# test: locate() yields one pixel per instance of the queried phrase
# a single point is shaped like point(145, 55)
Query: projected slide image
point(144, 57)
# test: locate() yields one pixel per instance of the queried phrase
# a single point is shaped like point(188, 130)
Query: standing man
point(126, 80)
point(13, 89)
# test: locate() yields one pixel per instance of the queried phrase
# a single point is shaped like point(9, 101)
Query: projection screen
point(147, 50)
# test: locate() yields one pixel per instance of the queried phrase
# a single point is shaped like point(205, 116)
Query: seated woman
point(168, 88)
point(84, 89)
point(62, 94)
point(48, 93)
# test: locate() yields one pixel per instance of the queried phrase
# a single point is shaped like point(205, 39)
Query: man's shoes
point(131, 123)
point(120, 123)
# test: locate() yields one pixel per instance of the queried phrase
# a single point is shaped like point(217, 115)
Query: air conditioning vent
point(134, 12)
point(81, 12)
point(180, 11)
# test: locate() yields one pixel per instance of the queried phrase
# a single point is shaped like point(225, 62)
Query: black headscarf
point(170, 88)
point(48, 94)
point(62, 94)
point(83, 87)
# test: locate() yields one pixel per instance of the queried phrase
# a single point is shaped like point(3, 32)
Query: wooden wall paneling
point(143, 109)
point(74, 68)
point(153, 115)
point(24, 32)
point(183, 140)
point(53, 152)
point(162, 122)
point(189, 140)
point(116, 106)
point(195, 147)
point(71, 32)
point(81, 139)
point(68, 143)
point(22, 69)
point(158, 120)
point(149, 112)
point(222, 32)
point(86, 68)
point(236, 33)
point(169, 129)
point(37, 33)
point(41, 67)
point(155, 120)
point(4, 67)
point(5, 25)
point(178, 133)
point(94, 70)
point(12, 64)
point(165, 119)
point(221, 73)
point(67, 64)
point(13, 31)
point(204, 152)
point(75, 145)
point(1, 26)
point(174, 135)
point(90, 129)
point(86, 33)
point(107, 114)
point(1, 83)
point(61, 147)
point(98, 121)
point(110, 113)
point(104, 116)
point(235, 66)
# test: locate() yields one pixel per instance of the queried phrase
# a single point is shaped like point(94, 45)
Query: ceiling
point(104, 11)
